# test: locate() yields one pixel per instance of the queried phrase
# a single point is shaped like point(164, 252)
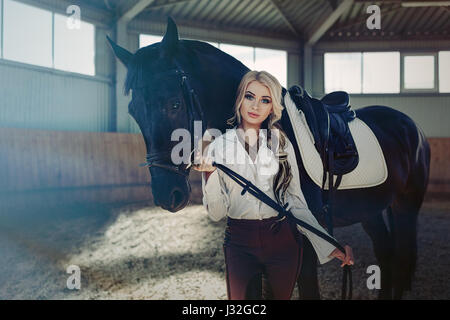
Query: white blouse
point(222, 196)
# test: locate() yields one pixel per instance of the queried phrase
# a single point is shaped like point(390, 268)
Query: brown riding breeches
point(251, 248)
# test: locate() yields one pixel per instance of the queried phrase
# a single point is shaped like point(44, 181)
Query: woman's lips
point(253, 115)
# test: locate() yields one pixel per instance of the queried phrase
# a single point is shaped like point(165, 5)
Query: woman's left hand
point(346, 258)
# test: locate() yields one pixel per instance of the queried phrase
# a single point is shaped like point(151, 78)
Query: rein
point(283, 214)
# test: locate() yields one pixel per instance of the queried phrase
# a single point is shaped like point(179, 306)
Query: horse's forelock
point(140, 61)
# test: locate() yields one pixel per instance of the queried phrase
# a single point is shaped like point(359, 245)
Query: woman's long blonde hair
point(284, 175)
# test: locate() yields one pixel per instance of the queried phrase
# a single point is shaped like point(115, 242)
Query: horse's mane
point(146, 57)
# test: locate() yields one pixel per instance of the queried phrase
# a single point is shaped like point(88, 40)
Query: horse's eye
point(176, 105)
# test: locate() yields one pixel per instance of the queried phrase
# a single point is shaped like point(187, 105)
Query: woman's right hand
point(202, 163)
point(346, 258)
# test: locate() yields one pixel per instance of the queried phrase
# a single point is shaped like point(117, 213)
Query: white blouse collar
point(265, 165)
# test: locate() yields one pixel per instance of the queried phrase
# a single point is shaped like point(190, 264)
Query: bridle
point(195, 112)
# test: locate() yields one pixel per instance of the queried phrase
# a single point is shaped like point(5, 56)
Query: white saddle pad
point(371, 169)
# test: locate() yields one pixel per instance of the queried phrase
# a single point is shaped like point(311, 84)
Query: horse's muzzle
point(170, 190)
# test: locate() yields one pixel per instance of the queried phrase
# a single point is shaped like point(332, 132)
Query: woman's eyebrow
point(254, 94)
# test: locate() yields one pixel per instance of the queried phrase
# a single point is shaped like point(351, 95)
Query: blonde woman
point(257, 149)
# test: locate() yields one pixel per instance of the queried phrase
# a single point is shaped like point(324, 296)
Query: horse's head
point(162, 101)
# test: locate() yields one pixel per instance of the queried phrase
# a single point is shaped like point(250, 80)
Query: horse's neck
point(220, 105)
point(220, 97)
point(219, 80)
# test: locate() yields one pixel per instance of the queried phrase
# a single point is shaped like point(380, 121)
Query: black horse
point(175, 82)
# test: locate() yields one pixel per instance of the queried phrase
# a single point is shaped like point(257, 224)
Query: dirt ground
point(136, 252)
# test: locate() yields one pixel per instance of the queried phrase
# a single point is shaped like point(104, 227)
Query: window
point(27, 34)
point(444, 71)
point(419, 72)
point(243, 53)
point(147, 39)
point(343, 72)
point(40, 37)
point(215, 44)
point(381, 72)
point(362, 72)
point(74, 48)
point(272, 61)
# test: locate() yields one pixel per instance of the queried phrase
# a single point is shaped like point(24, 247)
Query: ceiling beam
point(226, 34)
point(426, 4)
point(128, 14)
point(161, 5)
point(333, 4)
point(359, 21)
point(328, 22)
point(285, 18)
point(410, 3)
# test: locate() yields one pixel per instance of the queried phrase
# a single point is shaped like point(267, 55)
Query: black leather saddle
point(328, 120)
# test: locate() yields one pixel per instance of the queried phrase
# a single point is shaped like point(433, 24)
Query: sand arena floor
point(135, 252)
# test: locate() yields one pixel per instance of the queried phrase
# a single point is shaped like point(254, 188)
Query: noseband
point(195, 112)
point(162, 161)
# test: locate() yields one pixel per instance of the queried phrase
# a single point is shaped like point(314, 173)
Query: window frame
point(434, 54)
point(51, 68)
point(403, 92)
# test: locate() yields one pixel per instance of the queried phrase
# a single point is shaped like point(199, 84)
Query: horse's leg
point(404, 216)
point(307, 282)
point(405, 209)
point(267, 293)
point(383, 248)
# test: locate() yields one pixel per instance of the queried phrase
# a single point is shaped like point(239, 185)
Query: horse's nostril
point(170, 192)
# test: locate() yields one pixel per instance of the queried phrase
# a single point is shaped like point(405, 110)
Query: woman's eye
point(265, 100)
point(249, 97)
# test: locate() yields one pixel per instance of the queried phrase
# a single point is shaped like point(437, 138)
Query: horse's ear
point(170, 41)
point(123, 54)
